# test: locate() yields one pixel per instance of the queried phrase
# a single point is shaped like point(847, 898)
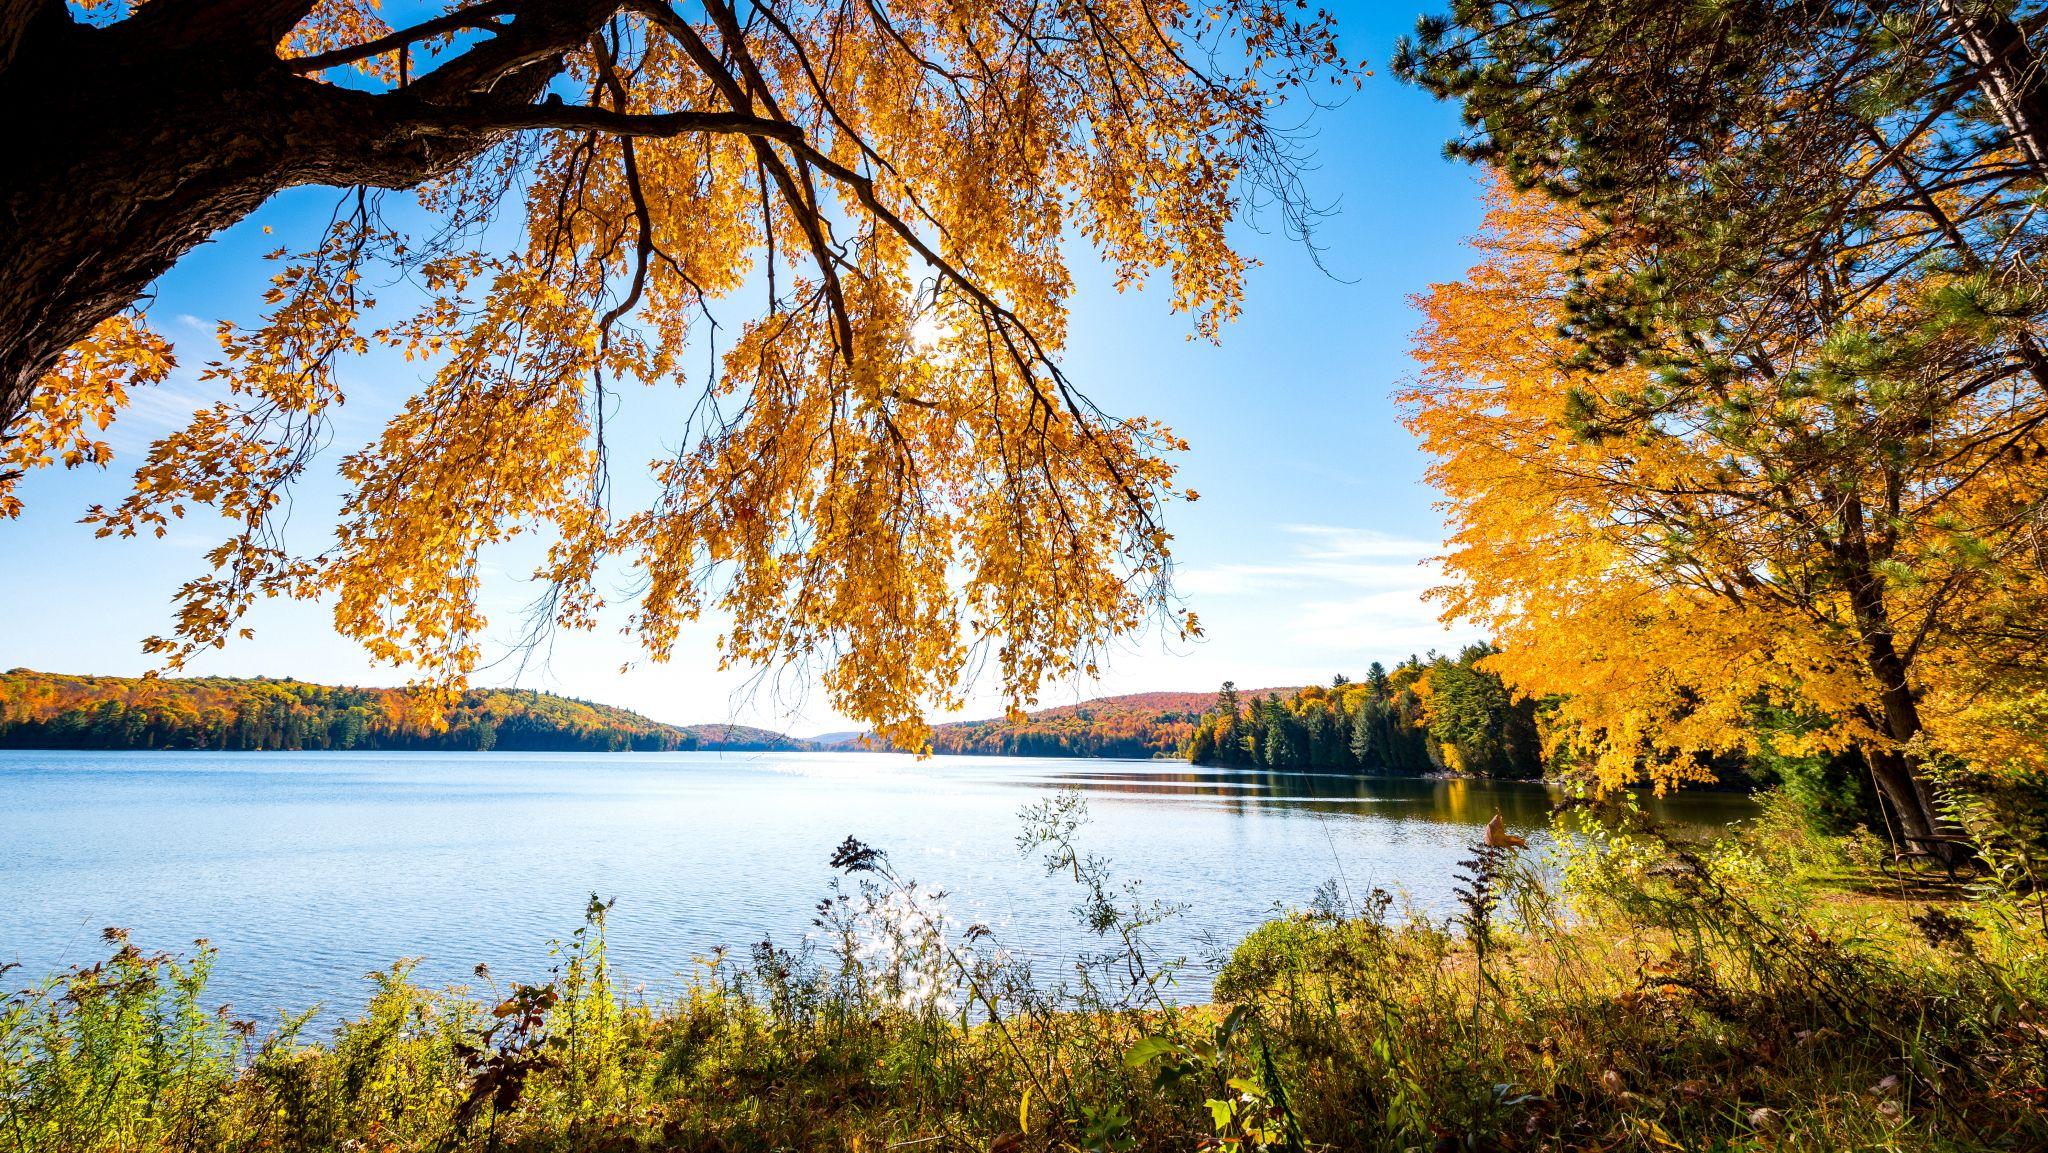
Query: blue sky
point(1304, 557)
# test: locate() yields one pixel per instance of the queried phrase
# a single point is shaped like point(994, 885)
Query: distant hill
point(55, 711)
point(745, 738)
point(847, 738)
point(51, 710)
point(1133, 725)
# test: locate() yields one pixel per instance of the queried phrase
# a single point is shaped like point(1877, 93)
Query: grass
point(1632, 992)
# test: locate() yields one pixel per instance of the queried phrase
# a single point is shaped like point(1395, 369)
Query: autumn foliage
point(79, 400)
point(1135, 725)
point(889, 475)
point(1695, 568)
point(1444, 715)
point(50, 710)
point(1740, 419)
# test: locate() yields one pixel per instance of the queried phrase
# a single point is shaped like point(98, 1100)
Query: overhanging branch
point(584, 118)
point(478, 16)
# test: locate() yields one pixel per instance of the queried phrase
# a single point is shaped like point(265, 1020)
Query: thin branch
point(584, 118)
point(479, 16)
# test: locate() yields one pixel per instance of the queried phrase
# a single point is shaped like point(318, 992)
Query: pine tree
point(1321, 738)
point(1363, 749)
point(1226, 700)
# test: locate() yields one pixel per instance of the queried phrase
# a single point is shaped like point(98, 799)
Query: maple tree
point(890, 473)
point(1792, 301)
point(1831, 544)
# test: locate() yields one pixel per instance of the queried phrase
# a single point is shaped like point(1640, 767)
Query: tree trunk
point(129, 145)
point(1906, 795)
point(2009, 75)
point(113, 180)
point(1895, 770)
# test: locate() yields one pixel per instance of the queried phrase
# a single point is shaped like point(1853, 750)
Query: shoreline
point(930, 1043)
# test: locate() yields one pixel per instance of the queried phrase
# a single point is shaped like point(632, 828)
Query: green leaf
point(1148, 1050)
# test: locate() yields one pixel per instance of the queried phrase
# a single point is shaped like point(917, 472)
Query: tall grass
point(1629, 990)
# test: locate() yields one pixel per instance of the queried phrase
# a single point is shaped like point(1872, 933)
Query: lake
point(308, 870)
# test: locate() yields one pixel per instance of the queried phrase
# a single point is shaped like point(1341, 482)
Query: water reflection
point(1524, 805)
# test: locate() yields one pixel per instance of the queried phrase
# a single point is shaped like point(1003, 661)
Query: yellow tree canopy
point(1681, 557)
point(890, 473)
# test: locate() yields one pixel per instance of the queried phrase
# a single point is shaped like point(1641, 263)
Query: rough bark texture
point(2009, 74)
point(1897, 774)
point(129, 145)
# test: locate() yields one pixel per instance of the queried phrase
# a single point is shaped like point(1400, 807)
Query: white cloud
point(1335, 541)
point(1390, 622)
point(164, 406)
point(1323, 555)
point(1337, 590)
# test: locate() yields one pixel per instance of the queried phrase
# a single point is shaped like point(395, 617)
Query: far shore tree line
point(1427, 715)
point(1456, 716)
point(1441, 715)
point(52, 711)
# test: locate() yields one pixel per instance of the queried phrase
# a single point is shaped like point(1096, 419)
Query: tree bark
point(1907, 795)
point(2010, 76)
point(129, 145)
point(1896, 771)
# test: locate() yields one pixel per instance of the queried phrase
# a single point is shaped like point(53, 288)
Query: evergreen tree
point(1363, 752)
point(1320, 738)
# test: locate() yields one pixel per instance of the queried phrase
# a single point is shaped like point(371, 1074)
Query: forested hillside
point(1133, 725)
point(49, 710)
point(1444, 714)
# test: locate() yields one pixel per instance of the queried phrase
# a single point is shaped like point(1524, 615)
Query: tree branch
point(805, 209)
point(584, 118)
point(531, 49)
point(254, 24)
point(481, 16)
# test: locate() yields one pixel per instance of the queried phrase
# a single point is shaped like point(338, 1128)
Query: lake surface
point(308, 870)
